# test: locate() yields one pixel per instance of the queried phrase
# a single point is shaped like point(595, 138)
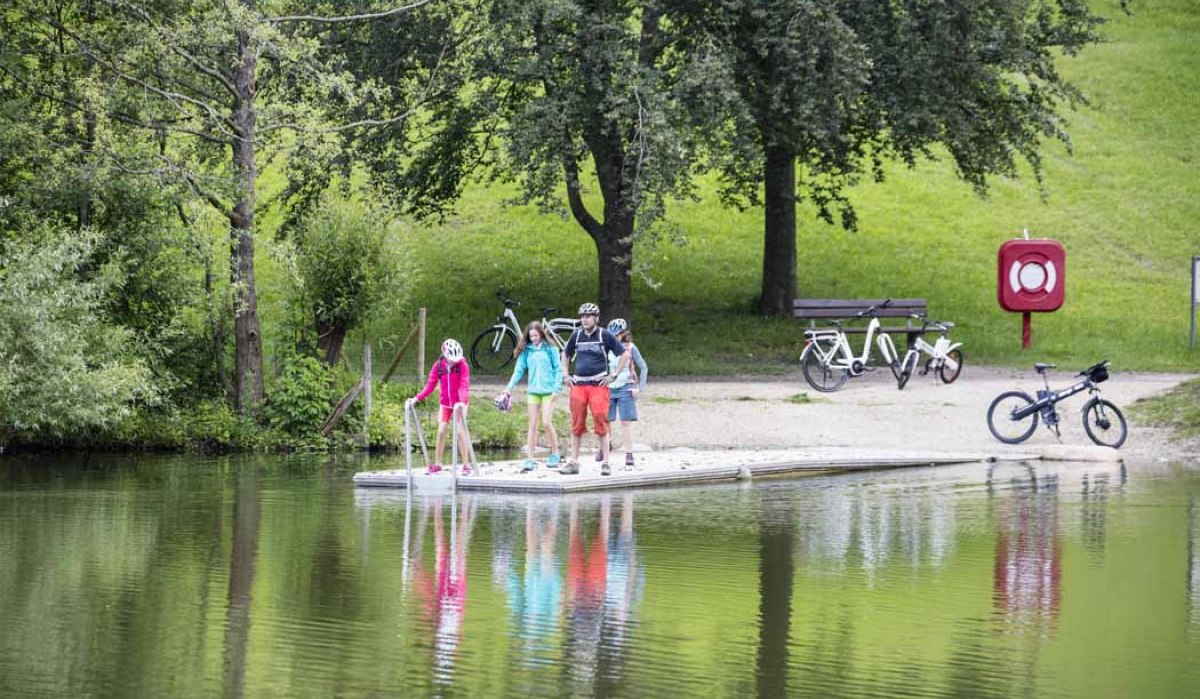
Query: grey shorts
point(622, 403)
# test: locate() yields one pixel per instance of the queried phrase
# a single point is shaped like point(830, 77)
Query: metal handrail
point(457, 415)
point(411, 417)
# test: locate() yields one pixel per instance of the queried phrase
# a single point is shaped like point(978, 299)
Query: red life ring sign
point(1032, 275)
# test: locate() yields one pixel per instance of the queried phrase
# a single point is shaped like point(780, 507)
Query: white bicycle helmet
point(616, 326)
point(452, 351)
point(589, 309)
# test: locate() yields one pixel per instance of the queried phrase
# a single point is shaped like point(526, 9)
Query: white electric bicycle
point(944, 357)
point(493, 348)
point(827, 361)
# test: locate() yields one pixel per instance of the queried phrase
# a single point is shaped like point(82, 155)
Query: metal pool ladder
point(458, 416)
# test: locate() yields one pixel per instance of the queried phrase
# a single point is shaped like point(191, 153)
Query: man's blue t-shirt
point(590, 351)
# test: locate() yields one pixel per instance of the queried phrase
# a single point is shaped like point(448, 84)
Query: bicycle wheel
point(1104, 423)
point(493, 349)
point(947, 374)
point(888, 349)
point(1001, 422)
point(818, 374)
point(907, 368)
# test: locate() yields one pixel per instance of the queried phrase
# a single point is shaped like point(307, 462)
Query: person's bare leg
point(464, 446)
point(531, 437)
point(576, 442)
point(597, 419)
point(441, 443)
point(627, 429)
point(548, 425)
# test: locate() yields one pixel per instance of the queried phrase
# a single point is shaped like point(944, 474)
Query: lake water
point(260, 577)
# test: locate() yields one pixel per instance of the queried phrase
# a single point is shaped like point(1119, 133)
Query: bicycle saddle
point(547, 310)
point(1041, 368)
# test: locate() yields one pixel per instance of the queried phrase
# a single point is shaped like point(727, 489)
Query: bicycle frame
point(940, 349)
point(841, 348)
point(508, 321)
point(1048, 399)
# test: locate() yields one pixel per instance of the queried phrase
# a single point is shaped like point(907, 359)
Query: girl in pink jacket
point(451, 376)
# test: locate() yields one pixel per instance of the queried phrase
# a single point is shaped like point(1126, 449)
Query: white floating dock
point(677, 467)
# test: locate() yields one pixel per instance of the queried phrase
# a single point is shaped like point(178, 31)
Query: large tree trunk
point(248, 375)
point(329, 341)
point(243, 561)
point(614, 250)
point(779, 242)
point(774, 601)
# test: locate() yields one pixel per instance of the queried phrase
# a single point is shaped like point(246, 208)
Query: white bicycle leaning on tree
point(828, 362)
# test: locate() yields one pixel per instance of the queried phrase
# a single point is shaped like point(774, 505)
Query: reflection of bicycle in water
point(493, 348)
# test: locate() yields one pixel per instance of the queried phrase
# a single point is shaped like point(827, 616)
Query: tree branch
point(173, 97)
point(344, 127)
point(348, 18)
point(179, 50)
point(575, 199)
point(123, 117)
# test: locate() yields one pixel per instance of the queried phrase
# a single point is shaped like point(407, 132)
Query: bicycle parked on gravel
point(1013, 415)
point(827, 361)
point(492, 349)
point(944, 357)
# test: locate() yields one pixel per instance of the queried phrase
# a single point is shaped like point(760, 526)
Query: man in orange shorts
point(589, 347)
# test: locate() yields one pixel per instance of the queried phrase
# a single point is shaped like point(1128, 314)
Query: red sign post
point(1031, 278)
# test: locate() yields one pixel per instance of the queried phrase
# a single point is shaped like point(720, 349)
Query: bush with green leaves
point(300, 399)
point(65, 368)
point(346, 265)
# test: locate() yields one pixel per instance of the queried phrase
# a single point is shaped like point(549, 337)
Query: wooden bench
point(813, 310)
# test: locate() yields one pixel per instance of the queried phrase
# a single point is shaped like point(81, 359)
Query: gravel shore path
point(869, 412)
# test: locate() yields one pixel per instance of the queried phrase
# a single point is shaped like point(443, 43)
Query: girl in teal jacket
point(540, 359)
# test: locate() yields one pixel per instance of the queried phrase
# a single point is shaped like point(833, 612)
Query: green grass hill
point(1126, 205)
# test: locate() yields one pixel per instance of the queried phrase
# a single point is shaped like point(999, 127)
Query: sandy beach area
point(870, 413)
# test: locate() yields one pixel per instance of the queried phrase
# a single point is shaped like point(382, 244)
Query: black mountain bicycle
point(1013, 415)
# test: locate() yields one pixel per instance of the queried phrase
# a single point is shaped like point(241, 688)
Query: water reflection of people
point(534, 595)
point(1027, 573)
point(587, 579)
point(445, 592)
point(625, 580)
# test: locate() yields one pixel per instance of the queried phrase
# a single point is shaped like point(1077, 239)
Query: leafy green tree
point(64, 367)
point(347, 264)
point(817, 93)
point(213, 87)
point(568, 98)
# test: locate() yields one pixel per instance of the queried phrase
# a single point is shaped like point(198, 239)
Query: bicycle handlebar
point(871, 311)
point(503, 297)
point(926, 323)
point(1093, 368)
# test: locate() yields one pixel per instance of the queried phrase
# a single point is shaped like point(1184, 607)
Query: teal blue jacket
point(544, 369)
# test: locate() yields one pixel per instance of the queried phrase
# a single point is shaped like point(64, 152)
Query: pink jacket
point(453, 382)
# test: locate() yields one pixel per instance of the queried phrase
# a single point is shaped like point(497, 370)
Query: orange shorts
point(583, 399)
